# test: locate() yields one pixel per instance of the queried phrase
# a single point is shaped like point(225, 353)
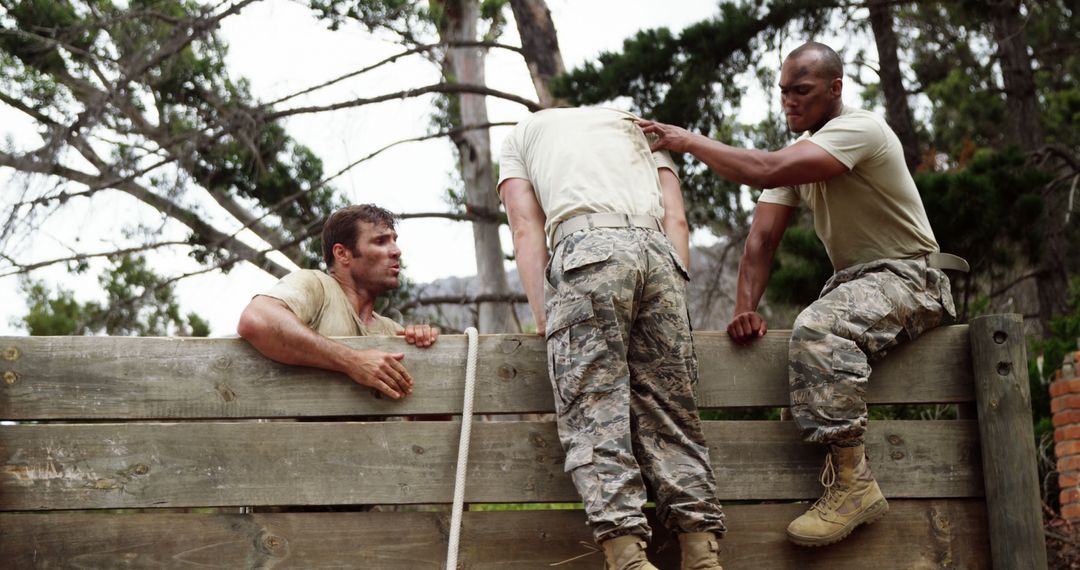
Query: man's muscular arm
point(277, 333)
point(770, 221)
point(801, 163)
point(674, 222)
point(530, 243)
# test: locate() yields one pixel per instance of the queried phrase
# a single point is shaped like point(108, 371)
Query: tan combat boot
point(851, 498)
point(700, 551)
point(626, 553)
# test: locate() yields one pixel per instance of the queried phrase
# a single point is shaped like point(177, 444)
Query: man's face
point(376, 260)
point(808, 99)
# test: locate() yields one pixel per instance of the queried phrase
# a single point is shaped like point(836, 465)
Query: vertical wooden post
point(1003, 400)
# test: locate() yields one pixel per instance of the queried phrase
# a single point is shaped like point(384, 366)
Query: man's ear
point(342, 255)
point(837, 87)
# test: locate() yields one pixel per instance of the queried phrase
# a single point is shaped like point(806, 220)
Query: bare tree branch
point(199, 28)
point(406, 94)
point(465, 217)
point(463, 300)
point(213, 237)
point(391, 59)
point(446, 133)
point(26, 268)
point(1005, 288)
point(296, 195)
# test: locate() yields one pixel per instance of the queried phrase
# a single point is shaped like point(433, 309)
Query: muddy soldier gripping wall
point(622, 361)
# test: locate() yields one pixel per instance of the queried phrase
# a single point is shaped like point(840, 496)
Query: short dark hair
point(830, 65)
point(342, 227)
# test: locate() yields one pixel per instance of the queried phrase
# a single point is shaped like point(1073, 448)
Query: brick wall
point(1065, 407)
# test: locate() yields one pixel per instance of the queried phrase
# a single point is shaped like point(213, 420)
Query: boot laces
point(828, 480)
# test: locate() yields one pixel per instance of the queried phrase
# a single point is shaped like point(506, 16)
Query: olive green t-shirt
point(871, 212)
point(585, 160)
point(320, 303)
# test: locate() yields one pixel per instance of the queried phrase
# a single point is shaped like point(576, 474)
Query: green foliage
point(54, 315)
point(800, 268)
point(122, 70)
point(1063, 337)
point(373, 14)
point(138, 302)
point(984, 213)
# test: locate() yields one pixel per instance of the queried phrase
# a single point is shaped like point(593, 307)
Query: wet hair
point(828, 65)
point(342, 227)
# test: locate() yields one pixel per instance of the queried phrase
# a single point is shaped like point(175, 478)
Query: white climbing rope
point(463, 451)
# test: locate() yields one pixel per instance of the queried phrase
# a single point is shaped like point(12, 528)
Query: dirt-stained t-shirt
point(318, 300)
point(871, 212)
point(585, 160)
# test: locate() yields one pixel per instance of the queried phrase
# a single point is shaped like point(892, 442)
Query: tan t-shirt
point(318, 300)
point(585, 160)
point(871, 212)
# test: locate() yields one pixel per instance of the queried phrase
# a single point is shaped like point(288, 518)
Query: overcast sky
point(281, 48)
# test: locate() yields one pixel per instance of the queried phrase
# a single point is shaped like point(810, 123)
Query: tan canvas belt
point(585, 221)
point(947, 261)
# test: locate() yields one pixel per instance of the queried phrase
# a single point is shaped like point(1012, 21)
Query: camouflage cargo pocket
point(588, 251)
point(577, 348)
point(579, 454)
point(679, 267)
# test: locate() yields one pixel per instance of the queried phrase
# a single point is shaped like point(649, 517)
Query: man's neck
point(836, 112)
point(361, 300)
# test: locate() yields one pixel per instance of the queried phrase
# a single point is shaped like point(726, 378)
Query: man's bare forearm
point(744, 166)
point(530, 248)
point(675, 226)
point(752, 280)
point(279, 335)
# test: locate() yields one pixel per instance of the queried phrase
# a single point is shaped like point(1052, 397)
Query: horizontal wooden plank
point(915, 534)
point(174, 378)
point(87, 466)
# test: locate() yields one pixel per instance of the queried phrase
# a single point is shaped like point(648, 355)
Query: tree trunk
point(1012, 51)
point(539, 46)
point(1025, 128)
point(466, 65)
point(898, 113)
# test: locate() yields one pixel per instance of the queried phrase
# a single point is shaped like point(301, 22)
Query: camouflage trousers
point(623, 369)
point(862, 312)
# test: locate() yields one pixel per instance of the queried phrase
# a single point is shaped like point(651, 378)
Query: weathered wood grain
point(915, 534)
point(1003, 401)
point(175, 378)
point(191, 464)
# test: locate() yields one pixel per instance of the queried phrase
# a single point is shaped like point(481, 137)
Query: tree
point(539, 47)
point(461, 57)
point(892, 85)
point(457, 22)
point(137, 99)
point(138, 302)
point(141, 97)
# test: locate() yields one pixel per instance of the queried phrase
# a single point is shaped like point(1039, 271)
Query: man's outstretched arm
point(801, 163)
point(770, 221)
point(276, 332)
point(530, 244)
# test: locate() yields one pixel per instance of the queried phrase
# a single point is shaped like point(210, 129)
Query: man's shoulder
point(855, 118)
point(306, 282)
point(308, 276)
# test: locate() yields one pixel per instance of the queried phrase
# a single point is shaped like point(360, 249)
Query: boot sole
point(869, 516)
